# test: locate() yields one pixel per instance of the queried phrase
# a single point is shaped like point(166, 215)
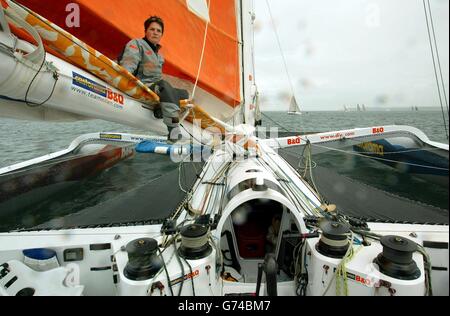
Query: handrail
point(38, 55)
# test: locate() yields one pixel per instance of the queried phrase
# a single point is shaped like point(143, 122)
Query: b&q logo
point(116, 97)
point(294, 141)
point(378, 130)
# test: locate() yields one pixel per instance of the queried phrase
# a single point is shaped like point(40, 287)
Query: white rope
point(201, 57)
point(195, 243)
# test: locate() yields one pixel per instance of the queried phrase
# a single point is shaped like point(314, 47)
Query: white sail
point(293, 106)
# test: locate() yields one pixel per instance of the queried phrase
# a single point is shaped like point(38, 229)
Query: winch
point(143, 262)
point(334, 241)
point(396, 260)
point(194, 242)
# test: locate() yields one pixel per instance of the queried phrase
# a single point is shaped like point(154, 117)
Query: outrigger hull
point(23, 89)
point(409, 156)
point(33, 184)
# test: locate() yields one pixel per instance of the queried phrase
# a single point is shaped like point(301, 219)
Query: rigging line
point(293, 190)
point(182, 268)
point(201, 56)
point(281, 50)
point(310, 168)
point(381, 159)
point(55, 77)
point(253, 41)
point(435, 68)
point(437, 55)
point(167, 273)
point(192, 136)
point(180, 168)
point(276, 123)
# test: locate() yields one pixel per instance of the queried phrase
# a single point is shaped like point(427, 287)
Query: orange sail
point(107, 25)
point(70, 48)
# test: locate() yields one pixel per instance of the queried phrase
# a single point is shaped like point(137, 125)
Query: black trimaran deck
point(156, 201)
point(148, 204)
point(359, 200)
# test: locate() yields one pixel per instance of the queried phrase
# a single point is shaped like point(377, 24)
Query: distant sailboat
point(293, 107)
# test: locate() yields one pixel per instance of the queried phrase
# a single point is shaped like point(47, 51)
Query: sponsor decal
point(337, 136)
point(378, 130)
point(139, 139)
point(188, 276)
point(294, 141)
point(111, 136)
point(96, 88)
point(88, 84)
point(358, 279)
point(116, 97)
point(372, 148)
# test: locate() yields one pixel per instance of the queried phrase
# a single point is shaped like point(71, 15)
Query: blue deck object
point(152, 147)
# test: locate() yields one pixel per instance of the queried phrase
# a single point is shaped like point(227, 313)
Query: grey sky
point(372, 52)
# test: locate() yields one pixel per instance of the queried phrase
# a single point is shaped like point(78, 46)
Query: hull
point(30, 185)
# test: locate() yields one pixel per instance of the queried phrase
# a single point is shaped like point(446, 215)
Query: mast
point(246, 19)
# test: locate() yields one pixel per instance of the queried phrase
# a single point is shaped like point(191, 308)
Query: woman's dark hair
point(155, 19)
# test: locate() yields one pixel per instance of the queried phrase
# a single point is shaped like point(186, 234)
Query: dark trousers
point(170, 102)
point(169, 94)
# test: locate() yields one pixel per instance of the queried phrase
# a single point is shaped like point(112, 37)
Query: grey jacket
point(142, 61)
